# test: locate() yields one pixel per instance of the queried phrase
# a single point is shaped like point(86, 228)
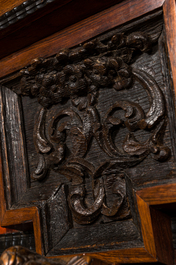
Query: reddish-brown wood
point(155, 225)
point(163, 194)
point(156, 231)
point(146, 226)
point(58, 14)
point(125, 256)
point(7, 5)
point(169, 9)
point(161, 224)
point(6, 230)
point(19, 216)
point(79, 32)
point(99, 262)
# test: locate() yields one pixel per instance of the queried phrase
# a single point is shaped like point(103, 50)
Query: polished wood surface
point(163, 194)
point(148, 199)
point(169, 9)
point(8, 5)
point(14, 254)
point(156, 230)
point(77, 33)
point(58, 14)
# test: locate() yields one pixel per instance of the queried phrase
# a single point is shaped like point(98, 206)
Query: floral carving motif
point(79, 75)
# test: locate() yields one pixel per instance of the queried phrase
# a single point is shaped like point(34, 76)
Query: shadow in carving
point(79, 75)
point(20, 255)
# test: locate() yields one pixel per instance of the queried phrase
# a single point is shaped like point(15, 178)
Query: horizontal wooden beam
point(79, 32)
point(162, 194)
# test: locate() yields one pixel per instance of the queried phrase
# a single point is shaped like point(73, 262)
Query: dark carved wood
point(79, 75)
point(21, 11)
point(79, 32)
point(85, 129)
point(30, 16)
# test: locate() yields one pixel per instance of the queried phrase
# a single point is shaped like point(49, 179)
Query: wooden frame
point(80, 31)
point(156, 226)
point(156, 229)
point(32, 16)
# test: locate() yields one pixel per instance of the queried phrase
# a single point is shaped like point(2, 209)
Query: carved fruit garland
point(79, 75)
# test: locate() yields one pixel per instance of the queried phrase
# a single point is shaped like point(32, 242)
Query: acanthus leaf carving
point(157, 107)
point(40, 141)
point(78, 76)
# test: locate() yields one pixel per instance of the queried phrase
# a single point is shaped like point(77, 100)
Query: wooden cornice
point(21, 11)
point(79, 32)
point(44, 18)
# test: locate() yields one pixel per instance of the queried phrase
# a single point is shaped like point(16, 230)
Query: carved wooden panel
point(84, 130)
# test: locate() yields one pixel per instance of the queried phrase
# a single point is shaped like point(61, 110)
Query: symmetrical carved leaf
point(79, 75)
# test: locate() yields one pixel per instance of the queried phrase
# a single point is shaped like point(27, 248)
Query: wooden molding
point(159, 195)
point(80, 31)
point(11, 5)
point(20, 10)
point(30, 17)
point(156, 231)
point(20, 216)
point(156, 227)
point(169, 9)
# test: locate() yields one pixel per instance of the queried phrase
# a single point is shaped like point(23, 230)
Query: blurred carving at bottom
point(22, 256)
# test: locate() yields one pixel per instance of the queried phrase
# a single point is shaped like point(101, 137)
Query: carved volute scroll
point(96, 130)
point(79, 75)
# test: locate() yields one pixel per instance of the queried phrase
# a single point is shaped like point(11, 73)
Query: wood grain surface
point(156, 230)
point(7, 5)
point(146, 226)
point(19, 216)
point(119, 240)
point(163, 194)
point(15, 143)
point(78, 32)
point(169, 9)
point(133, 255)
point(58, 14)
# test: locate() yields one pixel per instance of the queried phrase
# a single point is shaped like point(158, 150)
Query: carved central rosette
point(79, 75)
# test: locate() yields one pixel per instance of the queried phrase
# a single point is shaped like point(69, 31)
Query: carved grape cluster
point(78, 74)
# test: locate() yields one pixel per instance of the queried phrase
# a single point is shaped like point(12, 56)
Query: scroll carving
point(79, 75)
